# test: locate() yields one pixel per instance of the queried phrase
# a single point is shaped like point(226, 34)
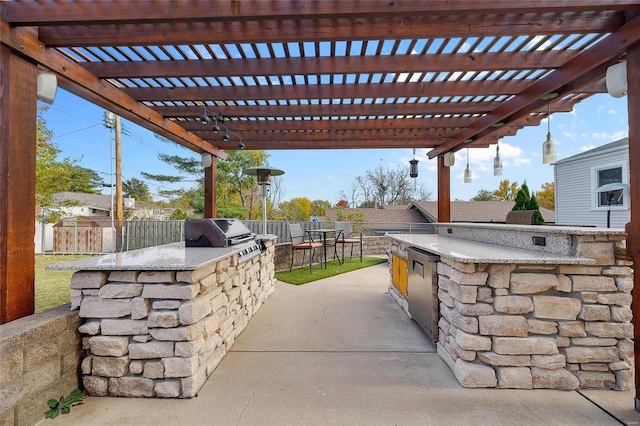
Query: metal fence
point(281, 228)
point(147, 233)
point(136, 234)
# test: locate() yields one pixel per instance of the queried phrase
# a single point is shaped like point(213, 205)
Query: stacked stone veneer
point(162, 333)
point(527, 326)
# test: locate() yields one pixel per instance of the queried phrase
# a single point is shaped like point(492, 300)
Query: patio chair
point(345, 235)
point(301, 242)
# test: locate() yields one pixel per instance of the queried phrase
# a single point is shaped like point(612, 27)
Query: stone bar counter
point(156, 322)
point(524, 307)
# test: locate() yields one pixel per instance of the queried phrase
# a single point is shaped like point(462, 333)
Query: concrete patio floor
point(340, 351)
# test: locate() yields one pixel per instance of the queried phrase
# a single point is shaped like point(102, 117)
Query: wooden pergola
point(442, 75)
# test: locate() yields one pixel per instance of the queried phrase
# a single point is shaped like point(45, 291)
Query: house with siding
point(577, 179)
point(74, 204)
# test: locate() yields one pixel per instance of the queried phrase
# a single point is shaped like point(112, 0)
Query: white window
point(609, 173)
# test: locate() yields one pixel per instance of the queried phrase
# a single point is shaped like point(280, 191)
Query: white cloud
point(612, 111)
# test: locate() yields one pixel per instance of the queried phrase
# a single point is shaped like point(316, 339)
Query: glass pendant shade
point(468, 175)
point(413, 168)
point(549, 150)
point(497, 163)
point(549, 146)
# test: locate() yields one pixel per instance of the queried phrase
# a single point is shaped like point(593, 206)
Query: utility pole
point(112, 121)
point(118, 213)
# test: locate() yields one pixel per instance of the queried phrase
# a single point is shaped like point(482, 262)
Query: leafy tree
point(135, 188)
point(485, 195)
point(547, 195)
point(237, 193)
point(57, 176)
point(296, 209)
point(319, 206)
point(522, 198)
point(506, 191)
point(80, 179)
point(355, 216)
point(343, 203)
point(533, 205)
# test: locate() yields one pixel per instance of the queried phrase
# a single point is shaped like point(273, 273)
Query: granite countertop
point(538, 229)
point(167, 257)
point(466, 251)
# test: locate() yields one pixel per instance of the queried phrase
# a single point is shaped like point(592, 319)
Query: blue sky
point(321, 174)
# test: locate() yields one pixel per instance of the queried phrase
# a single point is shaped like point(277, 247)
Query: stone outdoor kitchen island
point(526, 307)
point(158, 321)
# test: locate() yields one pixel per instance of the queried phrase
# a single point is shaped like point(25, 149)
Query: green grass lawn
point(52, 287)
point(302, 276)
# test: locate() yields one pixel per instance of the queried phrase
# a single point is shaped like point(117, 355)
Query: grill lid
point(215, 232)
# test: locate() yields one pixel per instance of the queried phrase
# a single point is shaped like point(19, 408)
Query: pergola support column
point(444, 191)
point(210, 173)
point(633, 227)
point(18, 92)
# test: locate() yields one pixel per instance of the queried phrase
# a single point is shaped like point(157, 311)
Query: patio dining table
point(323, 232)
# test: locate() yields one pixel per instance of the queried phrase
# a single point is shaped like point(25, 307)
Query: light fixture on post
point(263, 174)
point(468, 175)
point(616, 79)
point(413, 166)
point(497, 161)
point(46, 87)
point(207, 160)
point(549, 146)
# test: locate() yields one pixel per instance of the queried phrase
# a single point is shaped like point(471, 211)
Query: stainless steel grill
point(229, 233)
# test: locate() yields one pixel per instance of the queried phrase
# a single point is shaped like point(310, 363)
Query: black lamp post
point(610, 189)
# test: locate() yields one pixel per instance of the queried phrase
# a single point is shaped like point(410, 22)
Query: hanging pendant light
point(549, 146)
point(497, 161)
point(468, 175)
point(413, 166)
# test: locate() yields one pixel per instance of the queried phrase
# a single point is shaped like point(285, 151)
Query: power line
point(75, 131)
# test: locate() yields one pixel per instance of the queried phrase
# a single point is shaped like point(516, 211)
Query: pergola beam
point(158, 11)
point(331, 91)
point(318, 30)
point(476, 61)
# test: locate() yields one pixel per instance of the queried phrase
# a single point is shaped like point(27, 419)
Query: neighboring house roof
point(476, 211)
point(427, 212)
point(388, 214)
point(84, 221)
point(619, 144)
point(95, 201)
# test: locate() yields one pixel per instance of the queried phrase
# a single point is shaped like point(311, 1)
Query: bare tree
point(353, 196)
point(366, 189)
point(389, 186)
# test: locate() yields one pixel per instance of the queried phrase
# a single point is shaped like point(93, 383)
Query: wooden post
point(633, 227)
point(444, 191)
point(18, 91)
point(210, 207)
